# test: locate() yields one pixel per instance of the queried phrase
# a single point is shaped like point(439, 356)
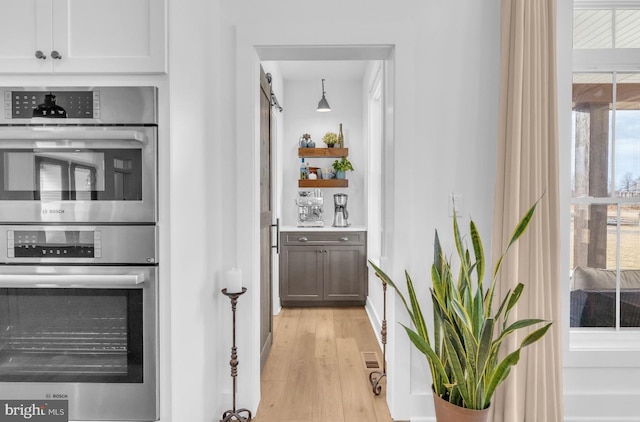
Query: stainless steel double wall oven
point(79, 249)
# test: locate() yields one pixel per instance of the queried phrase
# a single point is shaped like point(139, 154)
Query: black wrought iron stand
point(376, 376)
point(233, 414)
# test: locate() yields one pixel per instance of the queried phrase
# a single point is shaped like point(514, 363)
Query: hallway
point(316, 371)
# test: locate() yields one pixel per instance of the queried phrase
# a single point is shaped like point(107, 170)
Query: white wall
point(445, 63)
point(300, 116)
point(201, 243)
point(444, 110)
point(445, 117)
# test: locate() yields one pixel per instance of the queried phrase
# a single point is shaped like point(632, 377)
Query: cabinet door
point(344, 273)
point(26, 27)
point(109, 36)
point(300, 274)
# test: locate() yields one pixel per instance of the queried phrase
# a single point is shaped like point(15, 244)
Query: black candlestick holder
point(235, 414)
point(376, 376)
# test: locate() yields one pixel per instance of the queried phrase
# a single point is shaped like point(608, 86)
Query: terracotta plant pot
point(447, 412)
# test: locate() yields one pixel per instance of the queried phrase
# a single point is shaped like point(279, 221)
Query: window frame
point(611, 60)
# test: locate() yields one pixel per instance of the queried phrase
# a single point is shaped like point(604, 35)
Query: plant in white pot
point(463, 353)
point(341, 167)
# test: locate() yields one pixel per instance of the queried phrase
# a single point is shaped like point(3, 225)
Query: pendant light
point(323, 105)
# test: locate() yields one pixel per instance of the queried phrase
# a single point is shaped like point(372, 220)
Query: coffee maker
point(341, 216)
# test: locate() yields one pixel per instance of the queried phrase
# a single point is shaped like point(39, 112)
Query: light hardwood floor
point(316, 373)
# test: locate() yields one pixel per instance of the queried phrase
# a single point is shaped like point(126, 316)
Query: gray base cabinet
point(323, 268)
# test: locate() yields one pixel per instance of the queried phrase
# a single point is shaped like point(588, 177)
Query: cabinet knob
point(302, 239)
point(344, 239)
point(40, 55)
point(55, 55)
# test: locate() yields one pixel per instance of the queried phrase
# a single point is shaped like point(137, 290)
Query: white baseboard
point(376, 321)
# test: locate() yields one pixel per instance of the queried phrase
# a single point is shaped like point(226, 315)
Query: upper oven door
point(78, 174)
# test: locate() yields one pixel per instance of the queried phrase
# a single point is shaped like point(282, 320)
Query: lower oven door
point(83, 334)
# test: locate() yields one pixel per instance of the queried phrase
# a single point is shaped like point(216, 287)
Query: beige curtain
point(527, 169)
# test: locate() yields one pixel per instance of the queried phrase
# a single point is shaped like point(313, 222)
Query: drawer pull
point(344, 239)
point(302, 239)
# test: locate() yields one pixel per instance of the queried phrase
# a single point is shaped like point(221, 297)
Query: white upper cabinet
point(27, 30)
point(88, 36)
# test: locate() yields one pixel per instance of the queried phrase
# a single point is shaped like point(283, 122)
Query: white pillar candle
point(234, 280)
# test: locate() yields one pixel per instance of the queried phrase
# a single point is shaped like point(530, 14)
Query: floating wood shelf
point(323, 152)
point(323, 183)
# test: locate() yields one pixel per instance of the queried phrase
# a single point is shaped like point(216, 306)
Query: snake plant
point(464, 352)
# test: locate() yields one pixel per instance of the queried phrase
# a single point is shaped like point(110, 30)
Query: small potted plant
point(330, 138)
point(463, 350)
point(341, 167)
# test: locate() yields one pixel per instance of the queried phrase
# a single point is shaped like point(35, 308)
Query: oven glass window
point(76, 175)
point(71, 335)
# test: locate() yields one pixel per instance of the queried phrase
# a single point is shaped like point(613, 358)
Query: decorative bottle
point(340, 138)
point(303, 170)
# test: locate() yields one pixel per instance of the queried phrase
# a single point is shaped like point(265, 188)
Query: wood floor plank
point(315, 372)
point(325, 335)
point(380, 403)
point(364, 335)
point(328, 404)
point(356, 393)
point(301, 390)
point(300, 386)
point(284, 340)
point(271, 400)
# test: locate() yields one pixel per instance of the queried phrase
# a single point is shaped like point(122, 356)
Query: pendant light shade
point(323, 105)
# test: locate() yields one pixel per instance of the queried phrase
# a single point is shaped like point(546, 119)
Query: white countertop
point(328, 228)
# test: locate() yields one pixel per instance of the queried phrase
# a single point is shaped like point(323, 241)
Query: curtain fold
point(527, 170)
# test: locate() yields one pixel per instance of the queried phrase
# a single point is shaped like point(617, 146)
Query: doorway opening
point(359, 80)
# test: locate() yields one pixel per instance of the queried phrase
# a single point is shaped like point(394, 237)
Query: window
point(605, 170)
point(606, 28)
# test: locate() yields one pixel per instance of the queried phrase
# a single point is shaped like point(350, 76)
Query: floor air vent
point(370, 360)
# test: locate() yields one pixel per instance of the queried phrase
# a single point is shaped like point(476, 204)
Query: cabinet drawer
point(323, 238)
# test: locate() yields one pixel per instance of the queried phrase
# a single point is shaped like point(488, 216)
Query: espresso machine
point(341, 216)
point(310, 204)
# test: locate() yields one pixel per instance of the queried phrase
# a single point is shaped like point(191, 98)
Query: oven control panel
point(78, 105)
point(52, 104)
point(79, 244)
point(61, 244)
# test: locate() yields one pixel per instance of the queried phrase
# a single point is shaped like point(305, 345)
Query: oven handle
point(71, 280)
point(74, 134)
